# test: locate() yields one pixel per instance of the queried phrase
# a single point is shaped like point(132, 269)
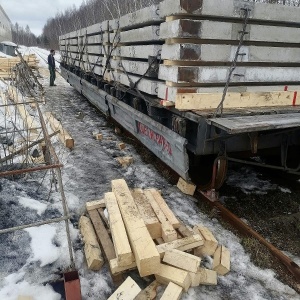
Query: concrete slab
point(143, 17)
point(226, 53)
point(195, 29)
point(145, 34)
point(94, 39)
point(230, 9)
point(191, 75)
point(138, 51)
point(145, 85)
point(94, 29)
point(135, 67)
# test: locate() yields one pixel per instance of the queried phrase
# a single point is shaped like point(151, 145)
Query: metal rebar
point(49, 221)
point(26, 148)
point(35, 169)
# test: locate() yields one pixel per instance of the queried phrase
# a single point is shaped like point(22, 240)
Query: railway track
point(211, 198)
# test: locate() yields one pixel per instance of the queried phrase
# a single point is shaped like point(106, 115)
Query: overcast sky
point(35, 13)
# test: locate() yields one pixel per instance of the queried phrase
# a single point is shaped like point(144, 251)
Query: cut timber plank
point(221, 262)
point(146, 255)
point(64, 136)
point(168, 232)
point(29, 121)
point(25, 298)
point(172, 292)
point(91, 248)
point(185, 187)
point(210, 242)
point(236, 100)
point(166, 274)
point(182, 260)
point(165, 208)
point(102, 235)
point(147, 213)
point(149, 293)
point(126, 291)
point(91, 205)
point(184, 244)
point(115, 268)
point(118, 231)
point(125, 161)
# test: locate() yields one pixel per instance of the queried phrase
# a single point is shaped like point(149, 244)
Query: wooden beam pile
point(8, 63)
point(173, 48)
point(141, 232)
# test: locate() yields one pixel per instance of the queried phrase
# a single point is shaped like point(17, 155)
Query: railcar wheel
point(210, 172)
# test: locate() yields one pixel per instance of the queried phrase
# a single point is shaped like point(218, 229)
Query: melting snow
point(33, 204)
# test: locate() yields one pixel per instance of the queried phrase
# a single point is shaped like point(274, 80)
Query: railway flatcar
point(199, 85)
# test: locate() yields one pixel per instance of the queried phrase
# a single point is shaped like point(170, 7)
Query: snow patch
point(43, 249)
point(38, 206)
point(15, 285)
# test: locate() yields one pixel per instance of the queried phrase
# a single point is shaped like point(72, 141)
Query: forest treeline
point(89, 13)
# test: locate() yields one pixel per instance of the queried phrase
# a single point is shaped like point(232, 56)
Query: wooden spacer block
point(121, 243)
point(203, 277)
point(125, 161)
point(149, 293)
point(91, 248)
point(172, 292)
point(165, 208)
point(121, 146)
point(91, 205)
point(147, 213)
point(185, 187)
point(182, 260)
point(166, 274)
point(207, 277)
point(146, 255)
point(168, 232)
point(115, 268)
point(221, 262)
point(98, 136)
point(128, 290)
point(167, 103)
point(118, 130)
point(210, 243)
point(184, 244)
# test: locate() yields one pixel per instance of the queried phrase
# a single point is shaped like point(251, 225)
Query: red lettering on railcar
point(157, 138)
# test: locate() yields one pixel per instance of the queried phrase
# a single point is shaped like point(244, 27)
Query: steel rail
point(246, 230)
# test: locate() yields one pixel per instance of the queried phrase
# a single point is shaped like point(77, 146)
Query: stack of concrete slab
point(188, 47)
point(84, 48)
point(201, 40)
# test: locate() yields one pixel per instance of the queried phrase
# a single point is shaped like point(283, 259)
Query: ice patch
point(38, 206)
point(285, 190)
point(249, 182)
point(43, 249)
